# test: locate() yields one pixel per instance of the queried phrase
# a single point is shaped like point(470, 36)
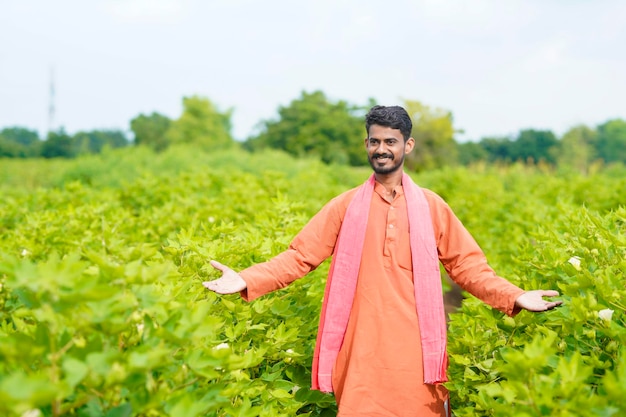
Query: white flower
point(289, 351)
point(222, 345)
point(575, 261)
point(605, 314)
point(211, 219)
point(25, 252)
point(32, 413)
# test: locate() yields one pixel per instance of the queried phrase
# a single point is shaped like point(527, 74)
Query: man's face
point(386, 149)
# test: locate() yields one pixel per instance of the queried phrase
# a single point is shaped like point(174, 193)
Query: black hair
point(394, 117)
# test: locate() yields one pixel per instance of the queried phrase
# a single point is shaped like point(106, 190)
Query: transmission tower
point(51, 107)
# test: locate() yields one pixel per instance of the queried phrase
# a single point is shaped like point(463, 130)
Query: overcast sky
point(498, 66)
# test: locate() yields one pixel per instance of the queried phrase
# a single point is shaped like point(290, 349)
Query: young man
point(381, 346)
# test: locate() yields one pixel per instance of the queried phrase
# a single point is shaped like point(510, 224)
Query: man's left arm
point(467, 265)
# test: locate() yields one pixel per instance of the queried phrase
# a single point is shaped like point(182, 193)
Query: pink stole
point(342, 279)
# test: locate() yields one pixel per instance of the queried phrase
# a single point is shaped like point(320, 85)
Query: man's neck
point(390, 181)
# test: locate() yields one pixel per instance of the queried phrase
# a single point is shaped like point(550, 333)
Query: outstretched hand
point(229, 283)
point(533, 300)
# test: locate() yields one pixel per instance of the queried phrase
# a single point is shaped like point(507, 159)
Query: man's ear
point(409, 145)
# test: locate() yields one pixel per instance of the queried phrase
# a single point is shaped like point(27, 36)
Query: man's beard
point(386, 169)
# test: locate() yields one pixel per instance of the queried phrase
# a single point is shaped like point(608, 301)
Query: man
point(382, 337)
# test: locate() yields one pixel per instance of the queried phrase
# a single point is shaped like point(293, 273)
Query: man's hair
point(394, 117)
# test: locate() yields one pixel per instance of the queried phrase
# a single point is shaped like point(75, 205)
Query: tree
point(95, 140)
point(58, 145)
point(150, 130)
point(433, 132)
point(576, 149)
point(201, 123)
point(498, 149)
point(471, 152)
point(19, 142)
point(611, 141)
point(532, 146)
point(311, 125)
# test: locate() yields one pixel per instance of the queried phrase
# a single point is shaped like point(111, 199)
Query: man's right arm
point(315, 243)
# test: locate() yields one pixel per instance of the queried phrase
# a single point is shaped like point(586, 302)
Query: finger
point(215, 286)
point(549, 293)
point(218, 265)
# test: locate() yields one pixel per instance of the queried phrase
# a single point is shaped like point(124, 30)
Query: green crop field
point(102, 311)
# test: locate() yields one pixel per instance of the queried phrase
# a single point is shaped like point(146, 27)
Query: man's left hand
point(533, 300)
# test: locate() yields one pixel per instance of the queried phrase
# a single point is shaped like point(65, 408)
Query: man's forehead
point(383, 132)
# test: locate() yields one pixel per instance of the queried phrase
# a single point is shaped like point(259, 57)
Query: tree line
point(314, 126)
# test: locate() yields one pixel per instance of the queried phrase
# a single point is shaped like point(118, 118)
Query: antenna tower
point(51, 107)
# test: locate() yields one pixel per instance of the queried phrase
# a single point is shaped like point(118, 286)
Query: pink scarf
point(342, 278)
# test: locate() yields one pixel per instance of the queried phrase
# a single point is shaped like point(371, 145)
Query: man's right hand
point(229, 283)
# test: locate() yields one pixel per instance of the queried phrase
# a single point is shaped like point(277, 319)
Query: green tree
point(498, 149)
point(150, 130)
point(576, 149)
point(95, 140)
point(532, 146)
point(611, 141)
point(201, 123)
point(311, 125)
point(19, 142)
point(58, 145)
point(471, 152)
point(433, 132)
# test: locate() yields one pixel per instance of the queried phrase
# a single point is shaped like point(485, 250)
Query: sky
point(497, 66)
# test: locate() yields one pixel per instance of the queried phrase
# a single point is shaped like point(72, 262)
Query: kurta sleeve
point(311, 246)
point(465, 261)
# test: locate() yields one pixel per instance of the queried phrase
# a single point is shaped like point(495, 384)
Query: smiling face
point(386, 149)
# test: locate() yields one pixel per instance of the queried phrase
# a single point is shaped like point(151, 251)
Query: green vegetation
point(314, 126)
point(102, 312)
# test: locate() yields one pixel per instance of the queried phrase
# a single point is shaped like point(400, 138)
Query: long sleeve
point(311, 246)
point(465, 261)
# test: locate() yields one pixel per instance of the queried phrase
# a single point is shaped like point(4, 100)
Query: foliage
point(433, 132)
point(543, 230)
point(102, 312)
point(471, 152)
point(150, 130)
point(20, 135)
point(95, 141)
point(577, 148)
point(533, 146)
point(18, 142)
point(313, 126)
point(58, 145)
point(202, 124)
point(611, 141)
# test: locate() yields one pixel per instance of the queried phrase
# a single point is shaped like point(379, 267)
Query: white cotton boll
point(575, 262)
point(606, 314)
point(222, 345)
point(32, 413)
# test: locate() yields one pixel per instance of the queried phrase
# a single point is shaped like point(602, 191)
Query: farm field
point(102, 311)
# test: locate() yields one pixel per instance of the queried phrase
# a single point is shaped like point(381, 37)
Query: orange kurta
point(379, 368)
